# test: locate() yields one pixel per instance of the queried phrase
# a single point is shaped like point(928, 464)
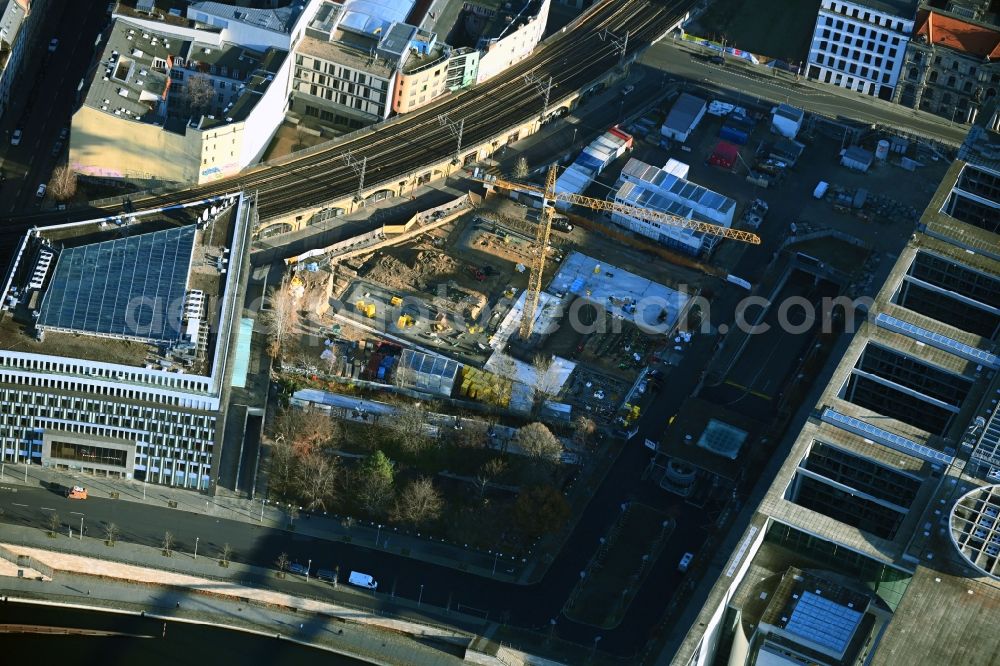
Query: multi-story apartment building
point(19, 21)
point(951, 68)
point(859, 44)
point(117, 344)
point(512, 33)
point(346, 65)
point(878, 542)
point(139, 119)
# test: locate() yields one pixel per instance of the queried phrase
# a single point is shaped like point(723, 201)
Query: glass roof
point(129, 287)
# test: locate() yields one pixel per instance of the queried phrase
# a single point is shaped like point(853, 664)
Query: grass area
point(775, 28)
point(617, 569)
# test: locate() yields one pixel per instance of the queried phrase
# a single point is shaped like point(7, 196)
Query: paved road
point(683, 62)
point(50, 82)
point(526, 606)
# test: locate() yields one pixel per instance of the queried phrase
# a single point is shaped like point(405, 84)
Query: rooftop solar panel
point(884, 437)
point(943, 342)
point(128, 287)
point(823, 622)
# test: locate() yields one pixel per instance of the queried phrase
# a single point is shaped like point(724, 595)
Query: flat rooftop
point(650, 305)
point(131, 80)
point(142, 290)
point(349, 50)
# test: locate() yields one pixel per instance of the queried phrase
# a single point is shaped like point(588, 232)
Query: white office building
point(860, 44)
point(118, 342)
point(647, 186)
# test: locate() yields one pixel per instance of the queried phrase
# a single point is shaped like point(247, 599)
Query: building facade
point(19, 21)
point(107, 404)
point(859, 44)
point(513, 41)
point(140, 118)
point(951, 68)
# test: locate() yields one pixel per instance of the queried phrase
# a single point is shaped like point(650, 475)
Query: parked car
point(326, 575)
point(717, 60)
point(63, 133)
point(685, 562)
point(40, 192)
point(53, 45)
point(15, 138)
point(77, 492)
point(297, 568)
point(627, 89)
point(57, 148)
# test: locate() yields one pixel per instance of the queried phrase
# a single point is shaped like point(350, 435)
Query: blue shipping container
point(734, 134)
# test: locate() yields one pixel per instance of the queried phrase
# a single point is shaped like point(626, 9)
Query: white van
point(362, 580)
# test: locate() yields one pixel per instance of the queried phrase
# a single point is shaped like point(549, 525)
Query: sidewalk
point(503, 567)
point(340, 623)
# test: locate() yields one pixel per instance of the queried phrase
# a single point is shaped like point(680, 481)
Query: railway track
point(574, 59)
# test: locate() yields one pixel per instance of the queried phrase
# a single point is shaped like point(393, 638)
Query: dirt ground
point(288, 139)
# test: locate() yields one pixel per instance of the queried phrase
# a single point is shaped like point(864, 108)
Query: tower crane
point(544, 230)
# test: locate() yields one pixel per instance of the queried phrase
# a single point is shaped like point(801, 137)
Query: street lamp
point(81, 528)
point(196, 547)
point(378, 535)
point(552, 628)
point(593, 650)
point(421, 596)
point(495, 558)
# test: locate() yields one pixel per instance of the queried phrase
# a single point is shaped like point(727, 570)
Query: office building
point(889, 492)
point(118, 340)
point(178, 105)
point(952, 67)
point(859, 44)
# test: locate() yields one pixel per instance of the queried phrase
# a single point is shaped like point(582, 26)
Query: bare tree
point(54, 523)
point(408, 425)
point(306, 430)
point(199, 92)
point(419, 503)
point(282, 464)
point(282, 564)
point(62, 185)
point(317, 475)
point(490, 470)
point(471, 434)
point(283, 317)
point(546, 382)
point(583, 429)
point(168, 543)
point(540, 510)
point(110, 534)
point(521, 168)
point(537, 441)
point(227, 554)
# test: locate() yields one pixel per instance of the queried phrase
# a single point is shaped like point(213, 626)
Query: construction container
point(396, 301)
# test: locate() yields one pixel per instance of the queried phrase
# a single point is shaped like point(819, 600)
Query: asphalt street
point(526, 606)
point(45, 98)
point(735, 78)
